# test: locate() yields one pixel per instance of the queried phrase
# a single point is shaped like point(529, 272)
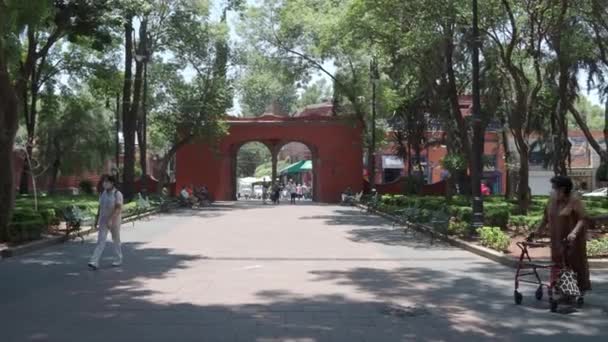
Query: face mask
point(107, 185)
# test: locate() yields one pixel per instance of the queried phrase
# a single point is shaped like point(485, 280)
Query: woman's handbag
point(567, 284)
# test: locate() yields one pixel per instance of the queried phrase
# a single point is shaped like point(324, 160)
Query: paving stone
point(247, 272)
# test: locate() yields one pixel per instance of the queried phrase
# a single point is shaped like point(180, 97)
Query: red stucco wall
point(336, 145)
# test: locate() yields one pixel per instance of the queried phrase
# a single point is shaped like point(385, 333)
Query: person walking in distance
point(108, 219)
point(292, 191)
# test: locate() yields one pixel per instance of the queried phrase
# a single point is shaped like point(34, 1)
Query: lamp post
point(477, 146)
point(375, 78)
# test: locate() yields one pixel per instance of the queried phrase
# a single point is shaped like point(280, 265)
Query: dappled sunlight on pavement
point(250, 272)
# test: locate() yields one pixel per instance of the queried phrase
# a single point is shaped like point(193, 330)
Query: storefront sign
point(392, 162)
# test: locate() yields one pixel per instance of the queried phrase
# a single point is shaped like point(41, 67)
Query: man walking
point(108, 219)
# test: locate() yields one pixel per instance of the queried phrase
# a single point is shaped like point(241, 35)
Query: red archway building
point(335, 143)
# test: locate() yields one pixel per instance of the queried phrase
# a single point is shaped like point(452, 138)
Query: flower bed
point(28, 224)
point(502, 220)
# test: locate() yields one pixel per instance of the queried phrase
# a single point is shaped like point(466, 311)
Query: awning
point(301, 166)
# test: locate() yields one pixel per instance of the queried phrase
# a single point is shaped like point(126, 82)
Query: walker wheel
point(518, 297)
point(553, 305)
point(539, 293)
point(580, 301)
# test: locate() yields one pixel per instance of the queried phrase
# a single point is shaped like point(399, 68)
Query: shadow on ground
point(50, 296)
point(365, 228)
point(218, 209)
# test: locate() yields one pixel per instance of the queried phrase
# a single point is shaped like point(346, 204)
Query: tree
point(309, 34)
point(315, 93)
point(73, 20)
point(423, 45)
point(194, 109)
point(595, 27)
point(12, 20)
point(266, 82)
point(517, 30)
point(28, 31)
point(304, 35)
point(76, 135)
point(250, 157)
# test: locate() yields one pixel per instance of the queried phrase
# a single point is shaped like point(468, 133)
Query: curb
point(487, 253)
point(55, 240)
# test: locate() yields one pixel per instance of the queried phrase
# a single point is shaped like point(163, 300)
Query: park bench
point(142, 206)
point(74, 219)
point(372, 204)
point(407, 217)
point(357, 198)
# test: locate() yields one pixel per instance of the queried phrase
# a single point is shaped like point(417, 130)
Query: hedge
point(28, 224)
point(598, 247)
point(497, 211)
point(494, 237)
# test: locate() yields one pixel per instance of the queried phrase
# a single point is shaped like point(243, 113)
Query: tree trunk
point(507, 151)
point(135, 112)
point(9, 111)
point(164, 179)
point(560, 134)
point(142, 132)
point(128, 117)
point(117, 134)
point(605, 126)
point(452, 89)
point(408, 152)
point(28, 72)
point(31, 118)
point(26, 173)
point(56, 165)
point(523, 193)
point(578, 117)
point(420, 182)
point(54, 175)
point(140, 93)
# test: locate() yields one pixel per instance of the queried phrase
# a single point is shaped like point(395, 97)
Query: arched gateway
point(335, 143)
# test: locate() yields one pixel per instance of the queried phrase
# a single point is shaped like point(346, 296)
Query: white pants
point(102, 235)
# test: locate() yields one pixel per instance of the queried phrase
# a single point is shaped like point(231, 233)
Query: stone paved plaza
point(248, 272)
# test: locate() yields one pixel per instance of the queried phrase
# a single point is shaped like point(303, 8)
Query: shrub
point(493, 237)
point(518, 221)
point(26, 225)
point(412, 185)
point(49, 216)
point(533, 221)
point(464, 214)
point(424, 216)
point(86, 186)
point(602, 173)
point(458, 228)
point(129, 209)
point(497, 216)
point(598, 247)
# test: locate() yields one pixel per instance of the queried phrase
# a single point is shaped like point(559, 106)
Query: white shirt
point(107, 202)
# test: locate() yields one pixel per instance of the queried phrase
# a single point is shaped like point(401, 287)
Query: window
point(391, 175)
